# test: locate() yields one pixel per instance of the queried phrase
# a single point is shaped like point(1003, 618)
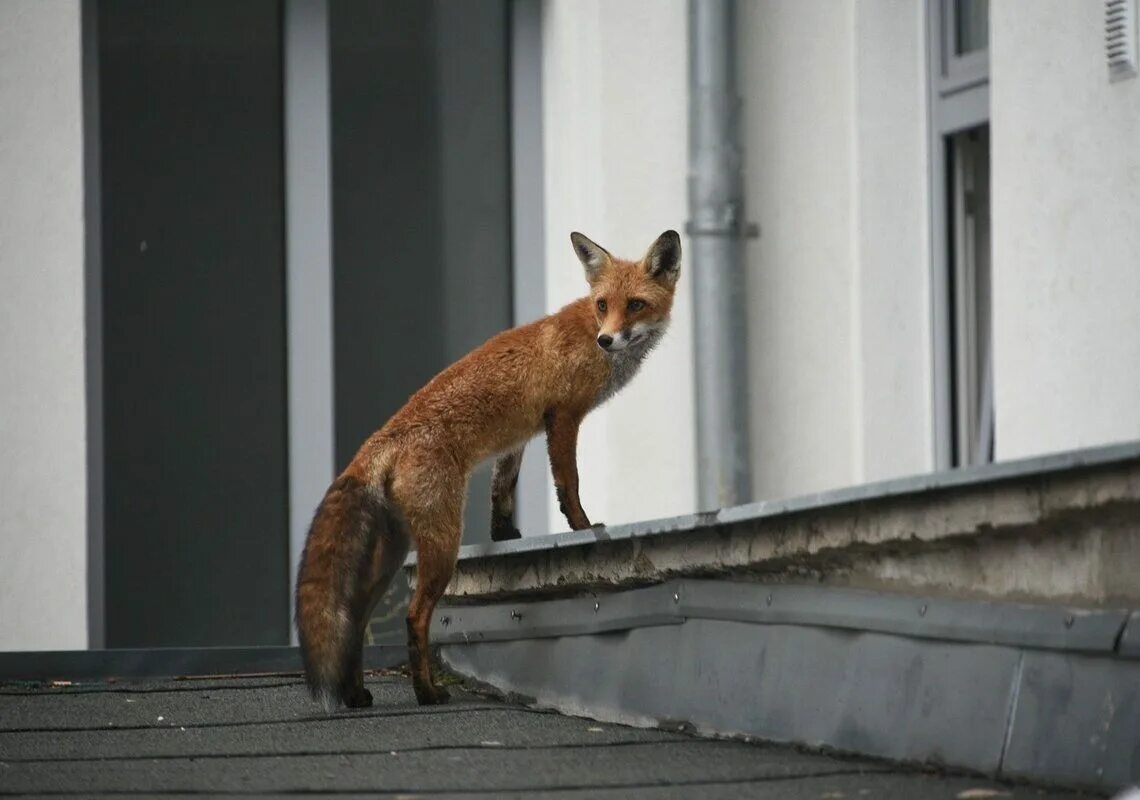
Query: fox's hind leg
point(387, 557)
point(429, 489)
point(504, 478)
point(434, 567)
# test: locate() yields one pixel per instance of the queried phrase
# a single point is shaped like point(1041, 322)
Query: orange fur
point(408, 481)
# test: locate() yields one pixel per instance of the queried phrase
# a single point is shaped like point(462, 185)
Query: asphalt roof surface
point(263, 736)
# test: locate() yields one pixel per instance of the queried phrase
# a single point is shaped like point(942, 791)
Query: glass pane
point(970, 288)
point(972, 26)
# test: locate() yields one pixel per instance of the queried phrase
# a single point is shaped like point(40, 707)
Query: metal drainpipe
point(716, 230)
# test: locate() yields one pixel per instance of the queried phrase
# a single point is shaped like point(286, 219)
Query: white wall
point(837, 176)
point(836, 160)
point(892, 241)
point(799, 124)
point(615, 119)
point(43, 584)
point(1066, 231)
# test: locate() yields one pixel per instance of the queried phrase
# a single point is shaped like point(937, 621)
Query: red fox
point(408, 481)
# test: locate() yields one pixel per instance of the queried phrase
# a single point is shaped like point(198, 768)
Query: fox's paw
point(503, 528)
point(505, 533)
point(586, 525)
point(432, 696)
point(359, 698)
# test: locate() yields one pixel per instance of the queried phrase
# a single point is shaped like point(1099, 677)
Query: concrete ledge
point(1019, 691)
point(1061, 529)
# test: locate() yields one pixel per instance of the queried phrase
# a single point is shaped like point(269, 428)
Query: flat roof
point(262, 735)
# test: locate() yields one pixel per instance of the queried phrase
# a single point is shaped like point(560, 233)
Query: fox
point(407, 484)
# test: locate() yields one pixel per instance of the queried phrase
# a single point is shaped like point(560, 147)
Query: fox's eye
point(602, 306)
point(635, 305)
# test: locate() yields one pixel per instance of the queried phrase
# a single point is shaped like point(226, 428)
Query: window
point(971, 26)
point(960, 226)
point(969, 295)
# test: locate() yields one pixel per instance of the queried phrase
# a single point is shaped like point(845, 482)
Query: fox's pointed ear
point(663, 261)
point(593, 256)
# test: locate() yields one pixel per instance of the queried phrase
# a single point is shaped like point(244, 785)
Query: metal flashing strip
point(1028, 714)
point(937, 482)
point(95, 665)
point(949, 619)
point(884, 696)
point(1129, 644)
point(599, 533)
point(970, 621)
point(655, 605)
point(1076, 721)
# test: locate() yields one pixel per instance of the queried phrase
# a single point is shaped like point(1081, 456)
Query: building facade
point(948, 203)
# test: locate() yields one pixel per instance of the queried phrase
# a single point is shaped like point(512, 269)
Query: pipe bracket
point(749, 230)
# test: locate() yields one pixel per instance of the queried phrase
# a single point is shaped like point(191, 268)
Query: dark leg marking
point(504, 479)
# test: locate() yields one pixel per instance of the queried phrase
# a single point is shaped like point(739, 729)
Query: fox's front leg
point(504, 478)
point(562, 445)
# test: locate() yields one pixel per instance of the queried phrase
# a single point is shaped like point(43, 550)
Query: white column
point(308, 245)
point(798, 89)
point(528, 231)
point(43, 469)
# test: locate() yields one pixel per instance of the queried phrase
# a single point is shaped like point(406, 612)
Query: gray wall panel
point(472, 48)
point(387, 281)
point(196, 540)
point(421, 211)
point(387, 285)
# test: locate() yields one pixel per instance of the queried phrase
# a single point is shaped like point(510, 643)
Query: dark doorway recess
point(196, 540)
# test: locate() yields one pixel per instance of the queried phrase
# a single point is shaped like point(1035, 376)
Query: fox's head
point(631, 299)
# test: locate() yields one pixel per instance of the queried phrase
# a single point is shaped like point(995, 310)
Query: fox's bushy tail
point(334, 587)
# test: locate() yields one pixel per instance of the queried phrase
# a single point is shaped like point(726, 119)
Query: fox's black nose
point(605, 340)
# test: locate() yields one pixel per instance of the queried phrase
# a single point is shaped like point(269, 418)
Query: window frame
point(958, 100)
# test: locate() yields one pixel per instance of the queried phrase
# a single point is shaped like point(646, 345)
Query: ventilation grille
point(1120, 38)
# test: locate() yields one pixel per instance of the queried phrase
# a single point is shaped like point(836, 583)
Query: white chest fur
point(624, 364)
